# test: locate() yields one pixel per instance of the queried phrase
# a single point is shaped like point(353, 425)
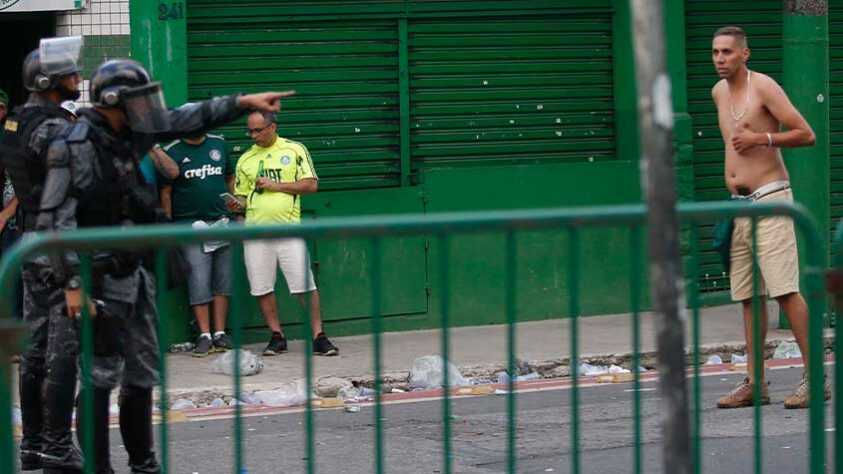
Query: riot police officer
point(48, 365)
point(94, 179)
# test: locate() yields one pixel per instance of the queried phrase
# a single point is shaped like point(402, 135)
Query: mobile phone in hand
point(230, 200)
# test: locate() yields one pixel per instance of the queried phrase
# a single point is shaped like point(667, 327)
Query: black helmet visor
point(146, 109)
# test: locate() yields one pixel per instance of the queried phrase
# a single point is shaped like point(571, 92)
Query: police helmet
point(37, 79)
point(54, 59)
point(124, 84)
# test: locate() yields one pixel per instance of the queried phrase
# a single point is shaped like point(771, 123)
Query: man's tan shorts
point(778, 262)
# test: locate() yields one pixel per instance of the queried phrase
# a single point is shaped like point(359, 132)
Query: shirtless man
point(751, 109)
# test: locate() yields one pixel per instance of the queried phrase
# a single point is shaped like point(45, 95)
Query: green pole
point(683, 131)
point(805, 79)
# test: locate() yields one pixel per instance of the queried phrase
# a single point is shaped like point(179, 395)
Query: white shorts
point(291, 255)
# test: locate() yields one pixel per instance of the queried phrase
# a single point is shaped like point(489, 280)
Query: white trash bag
point(427, 373)
point(250, 363)
point(287, 395)
point(787, 350)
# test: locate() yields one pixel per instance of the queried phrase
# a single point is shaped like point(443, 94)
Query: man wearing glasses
point(271, 178)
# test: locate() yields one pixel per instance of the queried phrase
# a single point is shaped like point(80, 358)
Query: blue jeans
point(210, 273)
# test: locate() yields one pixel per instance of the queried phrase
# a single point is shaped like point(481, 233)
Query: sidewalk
point(477, 351)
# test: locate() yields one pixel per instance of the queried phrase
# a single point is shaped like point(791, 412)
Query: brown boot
point(742, 396)
point(800, 397)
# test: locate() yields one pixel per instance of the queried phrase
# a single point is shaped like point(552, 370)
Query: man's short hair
point(268, 117)
point(734, 32)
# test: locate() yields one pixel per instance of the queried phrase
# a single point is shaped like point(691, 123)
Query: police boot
point(60, 456)
point(99, 422)
point(32, 417)
point(136, 429)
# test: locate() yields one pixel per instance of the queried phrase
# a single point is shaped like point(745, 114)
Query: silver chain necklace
point(746, 108)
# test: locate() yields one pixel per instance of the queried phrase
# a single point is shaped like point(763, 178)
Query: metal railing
point(442, 228)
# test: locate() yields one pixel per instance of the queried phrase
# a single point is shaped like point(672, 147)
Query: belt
point(765, 190)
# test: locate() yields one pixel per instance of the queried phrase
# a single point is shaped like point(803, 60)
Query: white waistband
point(768, 188)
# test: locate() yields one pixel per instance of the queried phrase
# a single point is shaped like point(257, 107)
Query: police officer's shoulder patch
point(78, 132)
point(11, 126)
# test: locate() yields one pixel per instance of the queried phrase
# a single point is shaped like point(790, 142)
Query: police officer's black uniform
point(48, 364)
point(94, 180)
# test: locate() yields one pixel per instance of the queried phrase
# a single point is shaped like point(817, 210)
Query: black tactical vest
point(120, 193)
point(26, 167)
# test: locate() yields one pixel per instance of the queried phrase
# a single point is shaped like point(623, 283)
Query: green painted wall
point(428, 106)
point(835, 33)
point(438, 106)
point(159, 42)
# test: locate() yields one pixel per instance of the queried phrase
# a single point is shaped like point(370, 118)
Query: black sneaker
point(204, 345)
point(150, 466)
point(323, 346)
point(222, 343)
point(277, 345)
point(30, 460)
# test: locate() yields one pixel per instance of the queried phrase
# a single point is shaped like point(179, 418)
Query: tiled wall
point(104, 24)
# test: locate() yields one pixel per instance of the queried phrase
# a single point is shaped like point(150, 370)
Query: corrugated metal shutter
point(762, 21)
point(835, 33)
point(512, 89)
point(344, 71)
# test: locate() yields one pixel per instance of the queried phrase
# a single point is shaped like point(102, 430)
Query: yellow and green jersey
point(285, 161)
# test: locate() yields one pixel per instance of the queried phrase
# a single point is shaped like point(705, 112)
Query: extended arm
point(164, 163)
point(195, 119)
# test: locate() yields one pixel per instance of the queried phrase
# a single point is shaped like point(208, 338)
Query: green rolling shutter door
point(762, 21)
point(512, 89)
point(345, 73)
point(835, 33)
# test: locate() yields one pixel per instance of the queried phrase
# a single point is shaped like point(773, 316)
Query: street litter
point(714, 360)
point(287, 395)
point(217, 403)
point(738, 358)
point(587, 369)
point(249, 399)
point(355, 394)
point(182, 404)
point(328, 402)
point(476, 390)
point(427, 373)
point(250, 363)
point(616, 377)
point(352, 408)
point(787, 350)
point(503, 377)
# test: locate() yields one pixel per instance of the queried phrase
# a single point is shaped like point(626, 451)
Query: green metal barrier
point(443, 227)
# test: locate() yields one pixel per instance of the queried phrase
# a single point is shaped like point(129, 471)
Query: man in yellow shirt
point(271, 178)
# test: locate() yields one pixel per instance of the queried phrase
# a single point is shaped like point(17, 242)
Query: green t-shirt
point(203, 170)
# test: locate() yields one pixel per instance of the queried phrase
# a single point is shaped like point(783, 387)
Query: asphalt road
point(413, 435)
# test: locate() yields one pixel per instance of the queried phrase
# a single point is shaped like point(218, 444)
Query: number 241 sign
point(170, 11)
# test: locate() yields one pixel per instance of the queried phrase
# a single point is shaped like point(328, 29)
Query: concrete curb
point(548, 368)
